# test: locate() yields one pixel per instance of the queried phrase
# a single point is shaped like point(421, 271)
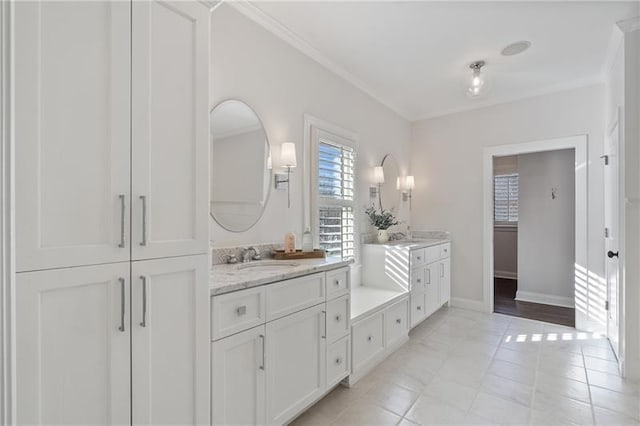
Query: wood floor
point(505, 303)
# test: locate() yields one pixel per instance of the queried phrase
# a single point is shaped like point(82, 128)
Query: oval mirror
point(240, 166)
point(390, 193)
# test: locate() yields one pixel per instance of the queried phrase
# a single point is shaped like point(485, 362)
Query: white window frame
point(314, 129)
point(506, 222)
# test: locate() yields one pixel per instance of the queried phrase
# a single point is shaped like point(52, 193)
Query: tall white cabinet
point(111, 202)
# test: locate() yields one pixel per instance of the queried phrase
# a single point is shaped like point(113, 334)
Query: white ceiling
point(414, 56)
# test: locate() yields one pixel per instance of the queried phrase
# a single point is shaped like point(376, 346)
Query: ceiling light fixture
point(477, 85)
point(516, 48)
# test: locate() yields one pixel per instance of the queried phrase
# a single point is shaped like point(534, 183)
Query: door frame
point(579, 144)
point(7, 230)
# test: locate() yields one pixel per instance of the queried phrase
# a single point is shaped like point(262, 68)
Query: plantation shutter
point(505, 198)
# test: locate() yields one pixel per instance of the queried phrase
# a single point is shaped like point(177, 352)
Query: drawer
point(338, 282)
point(432, 254)
point(396, 322)
point(417, 258)
point(367, 336)
point(445, 250)
point(338, 318)
point(418, 280)
point(418, 309)
point(289, 296)
point(238, 311)
point(338, 361)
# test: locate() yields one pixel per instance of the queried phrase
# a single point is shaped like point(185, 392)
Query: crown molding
point(615, 41)
point(281, 31)
point(629, 25)
point(597, 80)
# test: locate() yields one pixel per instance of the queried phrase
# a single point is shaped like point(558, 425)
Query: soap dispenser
point(307, 241)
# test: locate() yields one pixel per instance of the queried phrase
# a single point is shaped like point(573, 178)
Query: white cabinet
point(72, 133)
point(295, 363)
point(170, 335)
point(73, 346)
point(238, 379)
point(111, 123)
point(445, 280)
point(432, 289)
point(169, 128)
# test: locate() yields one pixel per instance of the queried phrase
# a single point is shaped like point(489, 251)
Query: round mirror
point(390, 190)
point(240, 166)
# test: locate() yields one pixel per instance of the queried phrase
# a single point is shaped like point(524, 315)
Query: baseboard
point(506, 275)
point(545, 299)
point(472, 305)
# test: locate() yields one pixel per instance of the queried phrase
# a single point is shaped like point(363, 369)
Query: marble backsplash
point(220, 255)
point(370, 237)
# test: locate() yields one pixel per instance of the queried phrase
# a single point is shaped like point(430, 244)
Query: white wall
point(446, 198)
point(281, 84)
point(546, 227)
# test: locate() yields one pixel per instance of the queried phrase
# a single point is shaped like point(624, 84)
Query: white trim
point(545, 299)
point(7, 193)
point(588, 82)
point(507, 275)
point(579, 144)
point(615, 41)
point(281, 31)
point(473, 305)
point(629, 25)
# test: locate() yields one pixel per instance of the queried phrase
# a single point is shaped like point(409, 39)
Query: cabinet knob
point(338, 361)
point(399, 320)
point(338, 318)
point(419, 308)
point(241, 310)
point(419, 257)
point(337, 283)
point(370, 338)
point(419, 280)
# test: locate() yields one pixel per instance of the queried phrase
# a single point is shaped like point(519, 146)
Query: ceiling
point(414, 56)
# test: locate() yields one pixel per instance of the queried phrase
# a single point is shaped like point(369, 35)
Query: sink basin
point(273, 265)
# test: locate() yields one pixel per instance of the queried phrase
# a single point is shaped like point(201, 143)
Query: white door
point(295, 363)
point(238, 379)
point(73, 346)
point(611, 215)
point(445, 281)
point(432, 292)
point(170, 142)
point(72, 133)
point(170, 341)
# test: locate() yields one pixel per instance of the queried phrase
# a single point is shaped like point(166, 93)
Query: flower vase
point(383, 236)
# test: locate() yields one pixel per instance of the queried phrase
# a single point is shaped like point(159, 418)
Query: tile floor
point(464, 367)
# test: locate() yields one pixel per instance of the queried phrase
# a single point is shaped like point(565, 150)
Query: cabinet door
point(432, 293)
point(72, 133)
point(238, 379)
point(170, 341)
point(445, 281)
point(295, 363)
point(170, 147)
point(73, 346)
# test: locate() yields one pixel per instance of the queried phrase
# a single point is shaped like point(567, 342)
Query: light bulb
point(477, 83)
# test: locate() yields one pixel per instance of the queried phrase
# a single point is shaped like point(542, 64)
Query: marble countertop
point(415, 243)
point(226, 278)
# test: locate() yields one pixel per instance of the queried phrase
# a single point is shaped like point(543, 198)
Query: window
point(334, 161)
point(505, 197)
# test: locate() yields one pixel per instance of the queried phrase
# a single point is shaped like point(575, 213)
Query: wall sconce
point(378, 180)
point(409, 186)
point(288, 160)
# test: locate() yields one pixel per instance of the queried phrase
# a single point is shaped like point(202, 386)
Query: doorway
point(534, 241)
point(586, 299)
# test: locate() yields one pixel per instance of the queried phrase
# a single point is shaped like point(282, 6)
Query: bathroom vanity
point(280, 337)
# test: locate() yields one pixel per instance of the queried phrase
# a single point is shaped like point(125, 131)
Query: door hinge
point(606, 232)
point(606, 159)
point(606, 305)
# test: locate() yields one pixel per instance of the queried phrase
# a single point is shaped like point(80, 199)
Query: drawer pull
point(419, 308)
point(338, 318)
point(370, 338)
point(338, 361)
point(262, 342)
point(399, 320)
point(241, 310)
point(419, 258)
point(336, 283)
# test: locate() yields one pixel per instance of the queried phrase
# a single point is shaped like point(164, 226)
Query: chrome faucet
point(248, 257)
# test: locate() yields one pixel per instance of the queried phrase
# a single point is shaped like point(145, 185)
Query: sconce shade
point(409, 182)
point(288, 154)
point(378, 175)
